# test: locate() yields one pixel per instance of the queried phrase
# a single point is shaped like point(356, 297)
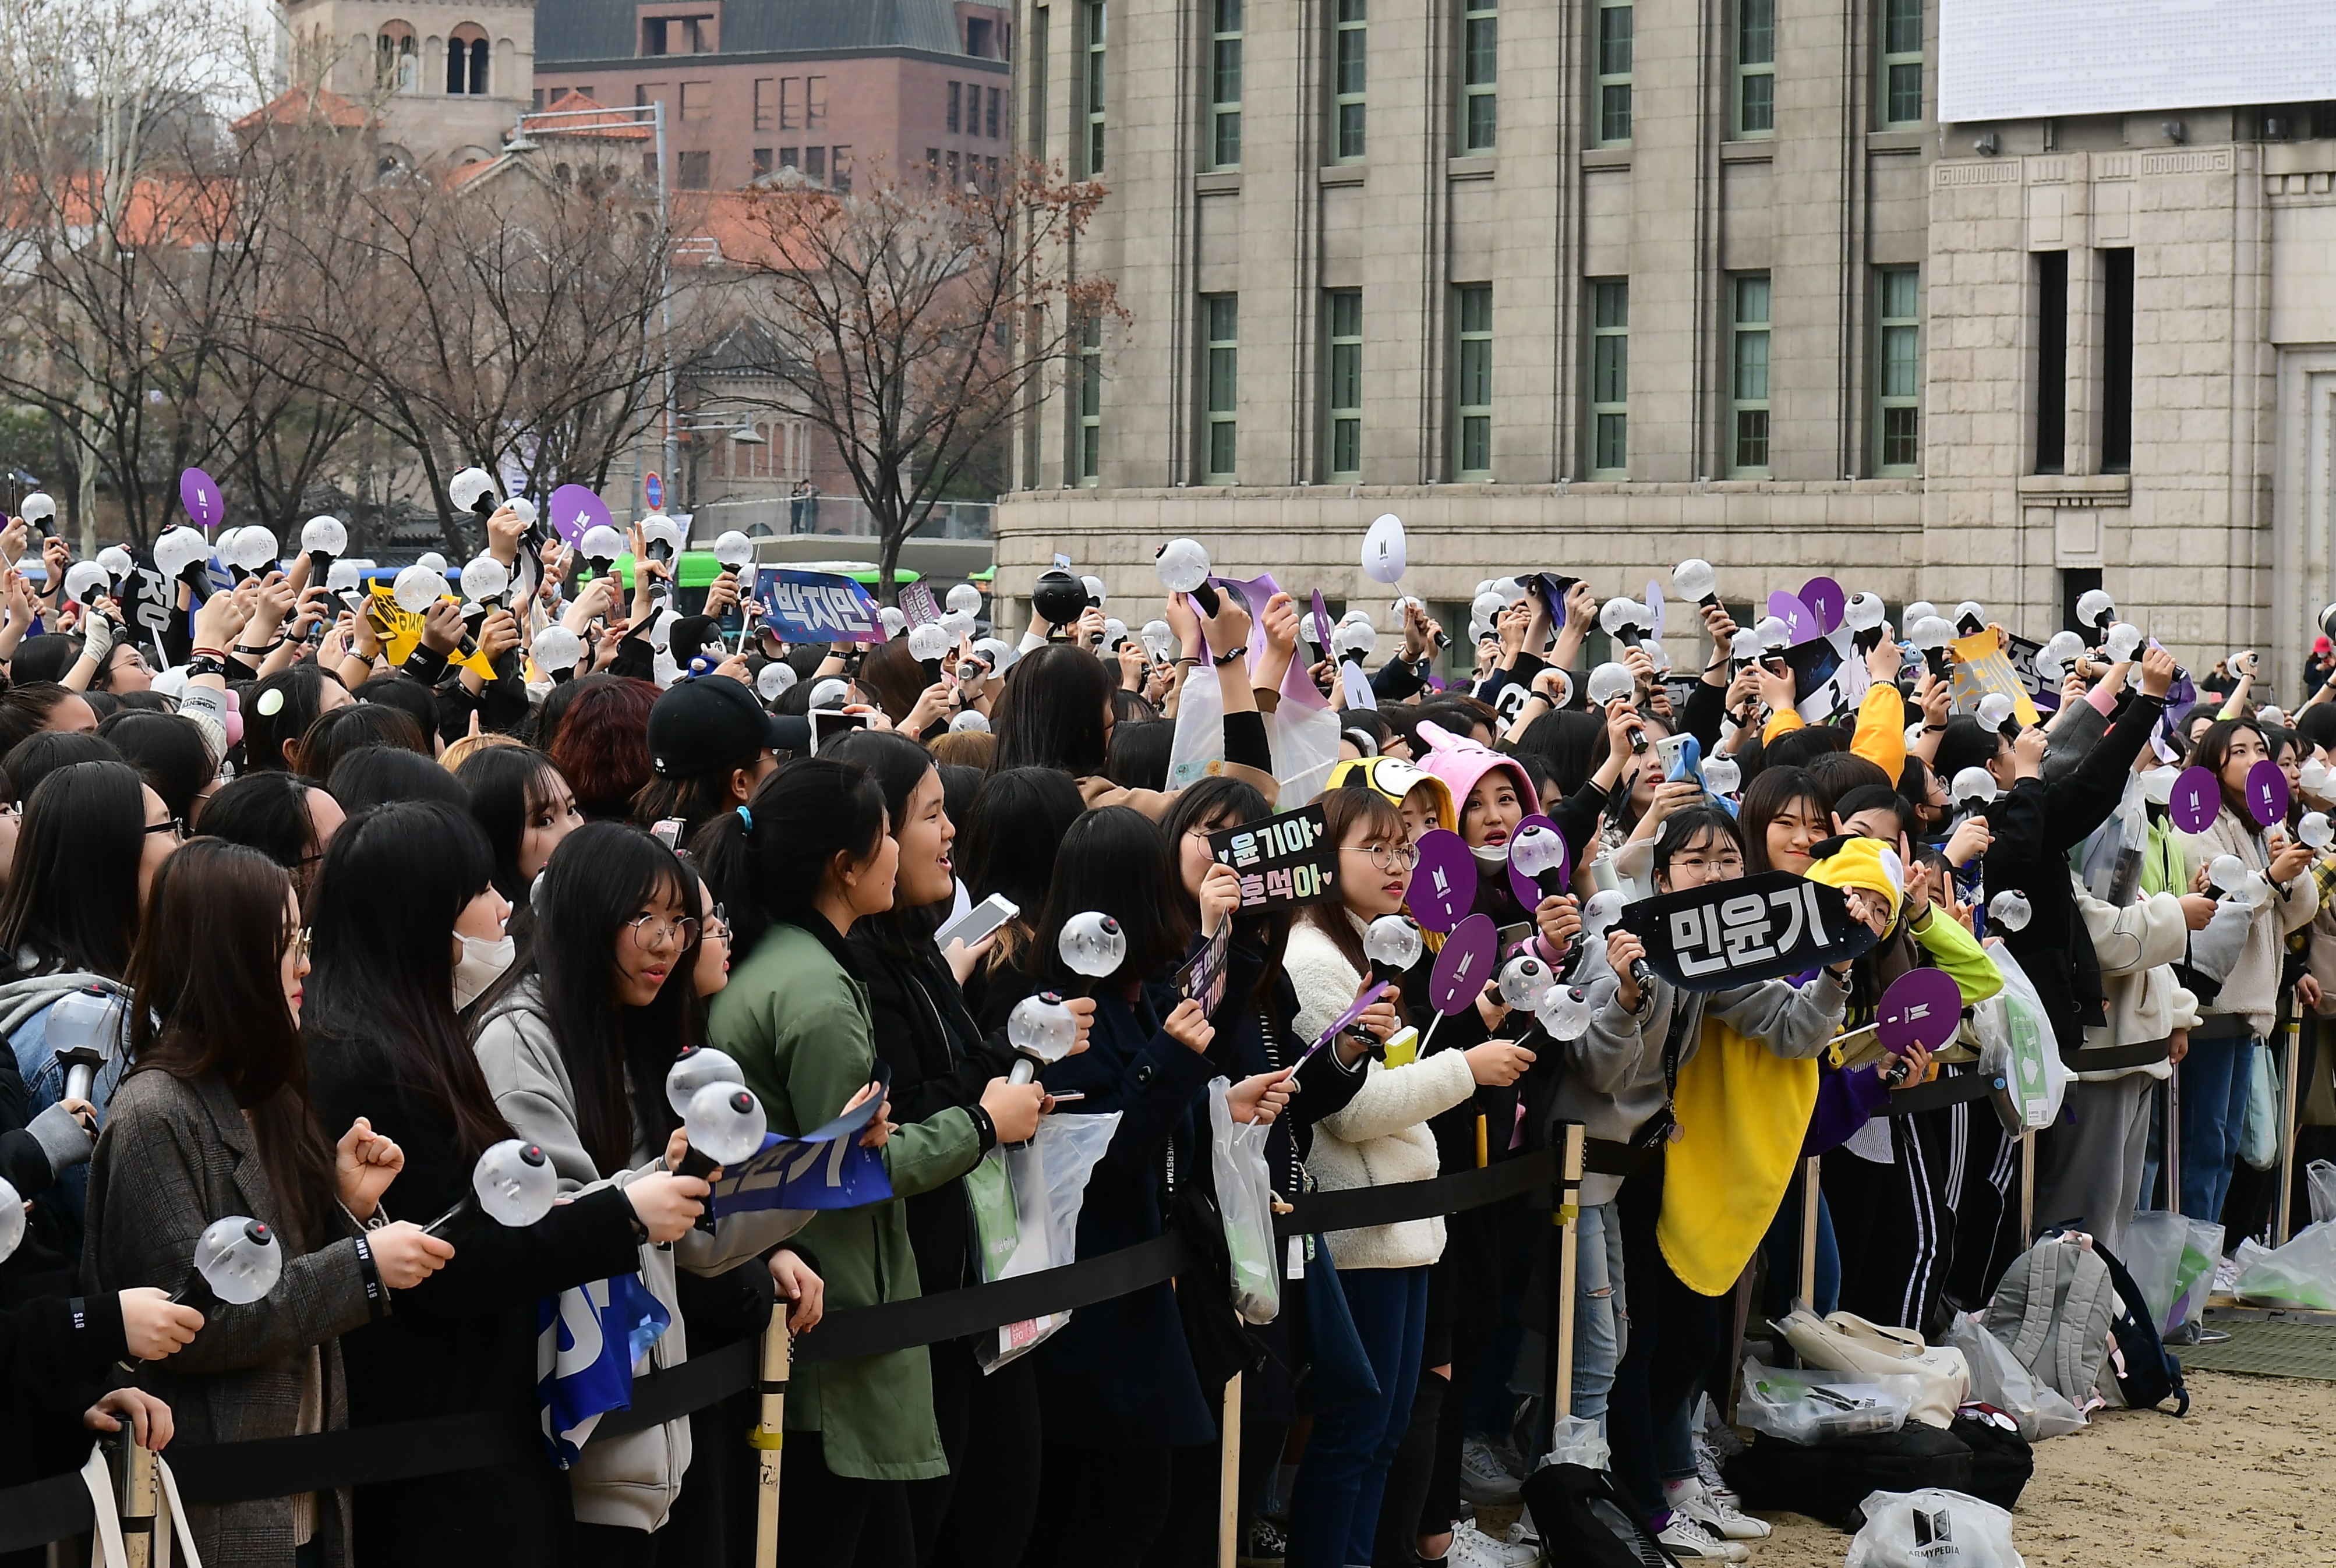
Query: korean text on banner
point(1284, 860)
point(817, 606)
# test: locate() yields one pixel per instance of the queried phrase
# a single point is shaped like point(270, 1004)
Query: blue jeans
point(2214, 1080)
point(1783, 1246)
point(1334, 1508)
point(1597, 1311)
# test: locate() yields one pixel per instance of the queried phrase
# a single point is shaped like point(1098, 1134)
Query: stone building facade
point(1595, 284)
point(451, 76)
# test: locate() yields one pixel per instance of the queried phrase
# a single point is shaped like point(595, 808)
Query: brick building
point(1595, 284)
point(823, 86)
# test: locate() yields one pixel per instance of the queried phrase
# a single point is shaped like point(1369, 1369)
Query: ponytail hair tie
point(745, 819)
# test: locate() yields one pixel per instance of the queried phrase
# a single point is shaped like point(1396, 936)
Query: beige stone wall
point(2216, 538)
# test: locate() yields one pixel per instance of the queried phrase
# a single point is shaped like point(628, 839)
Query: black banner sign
point(1284, 860)
point(1755, 928)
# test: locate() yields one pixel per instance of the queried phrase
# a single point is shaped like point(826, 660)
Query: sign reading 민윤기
point(817, 606)
point(1755, 928)
point(1283, 860)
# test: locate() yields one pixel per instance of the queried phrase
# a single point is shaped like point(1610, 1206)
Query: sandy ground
point(2245, 1480)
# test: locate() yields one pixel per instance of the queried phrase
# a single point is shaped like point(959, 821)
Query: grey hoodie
point(1613, 1077)
point(632, 1480)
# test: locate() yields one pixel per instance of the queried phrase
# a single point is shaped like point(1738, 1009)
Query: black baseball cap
point(711, 722)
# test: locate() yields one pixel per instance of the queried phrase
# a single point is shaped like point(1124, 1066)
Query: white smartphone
point(1666, 752)
point(827, 724)
point(978, 922)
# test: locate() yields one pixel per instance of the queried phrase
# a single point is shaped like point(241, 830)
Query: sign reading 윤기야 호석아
point(1283, 860)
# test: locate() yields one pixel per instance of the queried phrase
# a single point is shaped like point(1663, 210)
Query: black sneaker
point(1264, 1546)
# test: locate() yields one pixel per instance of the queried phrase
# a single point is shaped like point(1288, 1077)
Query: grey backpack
point(2053, 1311)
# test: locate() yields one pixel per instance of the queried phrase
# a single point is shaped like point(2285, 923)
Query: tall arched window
point(466, 60)
point(395, 66)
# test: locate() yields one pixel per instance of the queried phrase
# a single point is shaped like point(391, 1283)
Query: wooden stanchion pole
point(2287, 1129)
point(2027, 1186)
point(769, 1435)
point(145, 1520)
point(1566, 1217)
point(1810, 1192)
point(1229, 1478)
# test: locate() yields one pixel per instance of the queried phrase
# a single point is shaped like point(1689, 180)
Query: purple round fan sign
point(1922, 1007)
point(2197, 798)
point(2267, 798)
point(1464, 964)
point(200, 496)
point(574, 508)
point(1444, 883)
point(1528, 892)
point(1800, 621)
point(1826, 600)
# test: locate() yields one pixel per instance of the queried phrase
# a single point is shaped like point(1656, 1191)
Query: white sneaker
point(2227, 1277)
point(1472, 1548)
point(1484, 1479)
point(1706, 1470)
point(1722, 1518)
point(1688, 1536)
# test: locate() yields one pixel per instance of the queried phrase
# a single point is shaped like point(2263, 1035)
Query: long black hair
point(269, 812)
point(1220, 802)
point(898, 765)
point(395, 880)
point(42, 753)
point(1114, 860)
point(601, 876)
point(508, 787)
point(169, 753)
point(277, 710)
point(1051, 712)
point(1011, 832)
point(72, 894)
point(767, 861)
point(209, 999)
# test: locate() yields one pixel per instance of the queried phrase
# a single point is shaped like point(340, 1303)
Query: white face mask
point(482, 964)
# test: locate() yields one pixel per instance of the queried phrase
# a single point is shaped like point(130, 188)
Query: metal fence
point(842, 515)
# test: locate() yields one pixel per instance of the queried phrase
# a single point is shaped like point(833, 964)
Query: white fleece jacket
point(1381, 1136)
point(2253, 989)
point(2137, 946)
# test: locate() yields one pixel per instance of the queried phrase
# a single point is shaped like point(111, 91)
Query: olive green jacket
point(795, 1016)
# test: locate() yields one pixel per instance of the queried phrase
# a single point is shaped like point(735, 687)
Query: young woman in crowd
point(1012, 832)
point(1257, 1033)
point(1625, 1085)
point(818, 861)
point(1380, 1136)
point(1120, 1395)
point(575, 1050)
point(2238, 1017)
point(216, 1119)
point(522, 802)
point(981, 1511)
point(172, 754)
point(289, 818)
point(279, 709)
point(407, 931)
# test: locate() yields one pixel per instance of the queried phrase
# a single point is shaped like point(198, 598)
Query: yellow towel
point(1742, 1114)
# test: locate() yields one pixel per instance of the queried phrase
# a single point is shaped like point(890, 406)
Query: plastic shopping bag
point(1245, 1198)
point(1799, 1409)
point(1048, 1177)
point(2152, 1256)
point(1199, 739)
point(2302, 1273)
point(1997, 1378)
point(2259, 1128)
point(1932, 1528)
point(2320, 1178)
point(2016, 1042)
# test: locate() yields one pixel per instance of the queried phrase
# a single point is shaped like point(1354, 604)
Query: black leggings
point(1105, 1507)
point(979, 1515)
point(1674, 1337)
point(614, 1546)
point(840, 1521)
